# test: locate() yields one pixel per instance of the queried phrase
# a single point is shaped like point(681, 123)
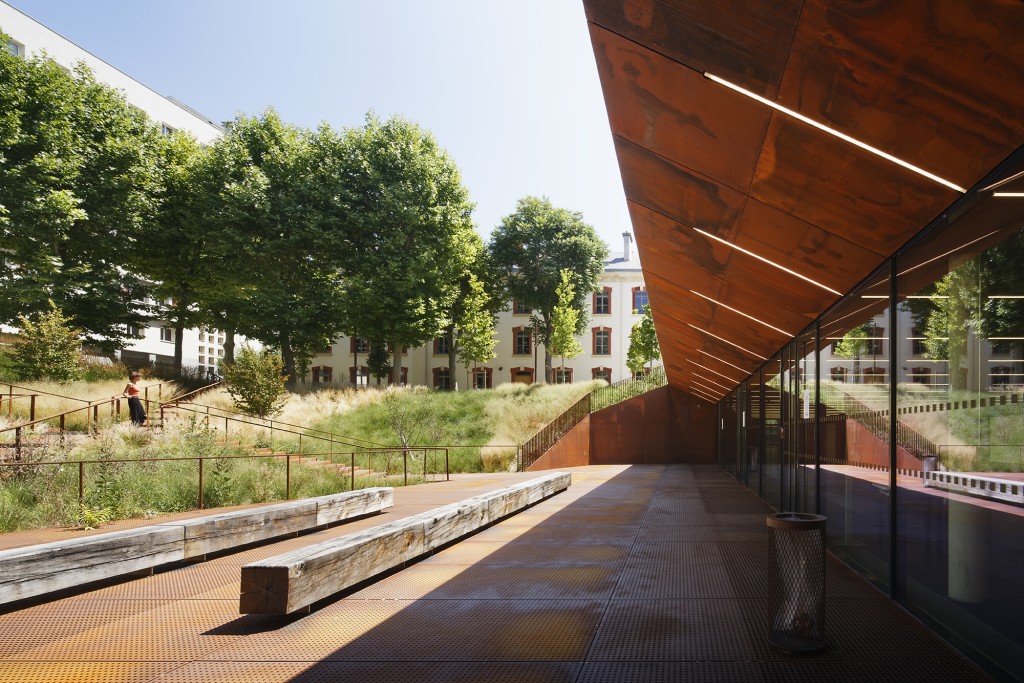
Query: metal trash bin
point(796, 581)
point(930, 463)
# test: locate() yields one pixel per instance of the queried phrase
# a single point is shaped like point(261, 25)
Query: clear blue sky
point(510, 89)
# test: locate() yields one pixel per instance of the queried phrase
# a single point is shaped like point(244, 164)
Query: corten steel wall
point(661, 426)
point(864, 447)
point(572, 450)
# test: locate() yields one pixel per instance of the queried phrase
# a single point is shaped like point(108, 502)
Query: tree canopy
point(408, 232)
point(78, 177)
point(643, 343)
point(529, 250)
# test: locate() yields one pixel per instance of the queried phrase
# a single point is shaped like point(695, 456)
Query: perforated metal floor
point(635, 574)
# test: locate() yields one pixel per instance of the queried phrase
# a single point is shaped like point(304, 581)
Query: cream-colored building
point(518, 359)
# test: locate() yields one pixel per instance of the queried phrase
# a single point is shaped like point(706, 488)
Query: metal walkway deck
point(637, 573)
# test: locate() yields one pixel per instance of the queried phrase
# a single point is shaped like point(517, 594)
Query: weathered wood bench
point(295, 580)
point(37, 570)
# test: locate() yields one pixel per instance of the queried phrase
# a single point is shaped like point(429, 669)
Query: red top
point(131, 390)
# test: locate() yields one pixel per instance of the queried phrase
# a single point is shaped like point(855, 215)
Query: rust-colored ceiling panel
point(688, 197)
point(843, 189)
point(929, 83)
point(758, 287)
point(936, 83)
point(802, 247)
point(714, 353)
point(735, 38)
point(677, 113)
point(708, 315)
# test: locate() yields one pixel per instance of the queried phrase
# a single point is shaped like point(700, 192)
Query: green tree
point(78, 175)
point(406, 220)
point(286, 265)
point(255, 382)
point(853, 345)
point(378, 361)
point(476, 326)
point(177, 244)
point(530, 249)
point(48, 348)
point(565, 318)
point(643, 343)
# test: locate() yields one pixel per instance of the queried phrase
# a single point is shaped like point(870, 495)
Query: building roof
point(750, 221)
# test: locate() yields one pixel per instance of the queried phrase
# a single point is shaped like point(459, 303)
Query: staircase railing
point(628, 388)
point(538, 444)
point(877, 422)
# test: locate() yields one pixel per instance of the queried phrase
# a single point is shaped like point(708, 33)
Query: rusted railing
point(877, 422)
point(429, 456)
point(539, 443)
point(627, 388)
point(213, 415)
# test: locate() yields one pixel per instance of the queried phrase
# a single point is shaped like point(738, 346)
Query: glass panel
point(961, 410)
point(806, 411)
point(854, 391)
point(755, 434)
point(771, 476)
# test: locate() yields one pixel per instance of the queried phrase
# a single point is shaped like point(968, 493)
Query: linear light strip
point(1003, 181)
point(951, 251)
point(719, 303)
point(724, 361)
point(713, 392)
point(717, 384)
point(745, 350)
point(703, 395)
point(836, 133)
point(1008, 194)
point(710, 370)
point(770, 263)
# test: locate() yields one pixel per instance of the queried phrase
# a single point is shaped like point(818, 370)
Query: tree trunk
point(449, 334)
point(355, 363)
point(396, 366)
point(179, 343)
point(229, 346)
point(288, 356)
point(547, 350)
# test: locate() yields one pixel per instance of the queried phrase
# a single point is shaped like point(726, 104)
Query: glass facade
point(899, 415)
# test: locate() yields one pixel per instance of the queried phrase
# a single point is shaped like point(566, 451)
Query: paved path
point(642, 573)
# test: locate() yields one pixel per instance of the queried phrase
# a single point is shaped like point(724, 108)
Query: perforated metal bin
point(796, 581)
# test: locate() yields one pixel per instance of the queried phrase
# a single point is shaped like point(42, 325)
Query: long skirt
point(136, 411)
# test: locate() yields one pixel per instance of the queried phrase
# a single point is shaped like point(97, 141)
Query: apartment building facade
point(612, 312)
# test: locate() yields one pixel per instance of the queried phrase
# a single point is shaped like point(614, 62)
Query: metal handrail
point(194, 392)
point(406, 452)
point(626, 389)
point(252, 420)
point(330, 436)
point(12, 387)
point(548, 435)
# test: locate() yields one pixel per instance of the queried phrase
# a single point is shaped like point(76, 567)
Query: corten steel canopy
point(749, 221)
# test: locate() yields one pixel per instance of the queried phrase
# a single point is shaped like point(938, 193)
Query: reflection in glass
point(961, 409)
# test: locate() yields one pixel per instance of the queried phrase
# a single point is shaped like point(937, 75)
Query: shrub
point(48, 348)
point(256, 382)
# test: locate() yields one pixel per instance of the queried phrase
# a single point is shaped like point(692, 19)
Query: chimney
point(627, 240)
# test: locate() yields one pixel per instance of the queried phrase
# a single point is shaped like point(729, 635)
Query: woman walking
point(135, 409)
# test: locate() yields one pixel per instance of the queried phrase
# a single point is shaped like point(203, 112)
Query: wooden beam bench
point(37, 570)
point(295, 580)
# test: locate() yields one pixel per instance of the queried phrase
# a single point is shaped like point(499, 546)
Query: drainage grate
point(675, 581)
point(374, 672)
point(673, 630)
point(681, 552)
point(496, 582)
point(94, 672)
point(671, 672)
point(471, 551)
